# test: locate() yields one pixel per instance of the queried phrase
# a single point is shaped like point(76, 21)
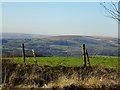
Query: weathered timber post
point(84, 55)
point(5, 72)
point(88, 57)
point(23, 52)
point(33, 52)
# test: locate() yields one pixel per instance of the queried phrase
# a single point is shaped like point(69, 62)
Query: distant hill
point(21, 36)
point(68, 45)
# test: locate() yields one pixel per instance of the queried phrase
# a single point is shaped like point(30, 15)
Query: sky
point(57, 18)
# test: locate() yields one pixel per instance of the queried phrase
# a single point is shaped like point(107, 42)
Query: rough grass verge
point(58, 77)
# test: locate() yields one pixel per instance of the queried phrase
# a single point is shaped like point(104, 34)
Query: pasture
point(110, 62)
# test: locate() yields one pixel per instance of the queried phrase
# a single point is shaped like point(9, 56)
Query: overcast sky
point(60, 18)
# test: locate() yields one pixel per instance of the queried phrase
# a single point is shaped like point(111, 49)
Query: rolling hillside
point(68, 45)
point(21, 36)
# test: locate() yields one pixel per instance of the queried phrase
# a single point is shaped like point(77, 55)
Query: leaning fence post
point(23, 52)
point(5, 72)
point(33, 52)
point(84, 55)
point(88, 57)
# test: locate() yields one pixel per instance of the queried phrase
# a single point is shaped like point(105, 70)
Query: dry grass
point(34, 76)
point(63, 81)
point(89, 82)
point(99, 82)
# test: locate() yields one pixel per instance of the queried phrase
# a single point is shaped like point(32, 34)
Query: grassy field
point(111, 62)
point(60, 72)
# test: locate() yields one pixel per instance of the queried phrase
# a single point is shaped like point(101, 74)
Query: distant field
point(111, 62)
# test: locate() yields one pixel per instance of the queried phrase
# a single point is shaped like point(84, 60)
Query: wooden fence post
point(88, 57)
point(33, 52)
point(5, 73)
point(23, 52)
point(84, 55)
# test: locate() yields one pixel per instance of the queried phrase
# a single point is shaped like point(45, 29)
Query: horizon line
point(59, 34)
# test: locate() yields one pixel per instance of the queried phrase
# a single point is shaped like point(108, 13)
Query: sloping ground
point(21, 36)
point(68, 45)
point(58, 77)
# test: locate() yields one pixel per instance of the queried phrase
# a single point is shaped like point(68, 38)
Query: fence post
point(88, 57)
point(23, 52)
point(5, 72)
point(84, 55)
point(33, 52)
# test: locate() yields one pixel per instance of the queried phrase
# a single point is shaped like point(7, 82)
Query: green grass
point(111, 62)
point(52, 61)
point(69, 61)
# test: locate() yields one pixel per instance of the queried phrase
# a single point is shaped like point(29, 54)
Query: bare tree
point(112, 9)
